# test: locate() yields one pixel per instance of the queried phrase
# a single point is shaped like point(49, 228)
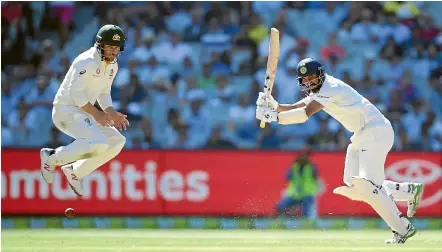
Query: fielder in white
point(372, 140)
point(97, 141)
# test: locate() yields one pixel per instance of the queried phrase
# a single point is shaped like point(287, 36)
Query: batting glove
point(266, 100)
point(266, 114)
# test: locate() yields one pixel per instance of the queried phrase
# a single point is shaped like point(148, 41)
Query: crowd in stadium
point(191, 71)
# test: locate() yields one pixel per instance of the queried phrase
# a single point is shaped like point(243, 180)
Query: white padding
point(381, 203)
point(292, 116)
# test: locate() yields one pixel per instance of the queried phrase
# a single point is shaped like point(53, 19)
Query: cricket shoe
point(416, 189)
point(47, 170)
point(73, 180)
point(400, 239)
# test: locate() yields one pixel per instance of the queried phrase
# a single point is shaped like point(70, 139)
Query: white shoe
point(73, 181)
point(47, 170)
point(398, 239)
point(416, 188)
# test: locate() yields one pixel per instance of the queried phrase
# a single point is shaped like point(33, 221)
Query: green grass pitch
point(129, 240)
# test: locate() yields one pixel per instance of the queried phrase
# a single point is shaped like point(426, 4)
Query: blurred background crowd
point(191, 71)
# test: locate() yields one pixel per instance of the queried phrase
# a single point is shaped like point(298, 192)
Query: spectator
point(335, 66)
point(368, 89)
point(9, 98)
point(366, 31)
point(173, 53)
point(230, 23)
point(218, 65)
point(331, 17)
point(395, 110)
point(21, 122)
point(428, 30)
point(286, 43)
point(301, 51)
point(134, 92)
point(216, 141)
point(170, 135)
point(435, 98)
point(285, 80)
point(405, 87)
point(189, 68)
point(145, 140)
point(65, 12)
point(193, 32)
point(402, 143)
point(324, 140)
point(413, 121)
point(401, 33)
point(215, 39)
point(43, 94)
point(244, 112)
point(153, 72)
point(123, 77)
point(434, 125)
point(268, 138)
point(332, 48)
point(215, 12)
point(196, 116)
point(144, 49)
point(257, 30)
point(206, 80)
point(346, 77)
point(55, 140)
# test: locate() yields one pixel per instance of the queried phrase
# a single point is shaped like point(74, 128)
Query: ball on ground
point(69, 212)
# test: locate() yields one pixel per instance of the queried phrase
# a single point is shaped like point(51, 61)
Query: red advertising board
point(209, 183)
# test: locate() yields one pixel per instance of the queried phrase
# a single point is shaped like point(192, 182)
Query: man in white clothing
point(97, 140)
point(372, 140)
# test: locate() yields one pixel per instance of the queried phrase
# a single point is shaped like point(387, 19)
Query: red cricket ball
point(69, 212)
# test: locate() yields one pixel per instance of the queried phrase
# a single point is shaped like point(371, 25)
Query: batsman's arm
point(299, 115)
point(300, 104)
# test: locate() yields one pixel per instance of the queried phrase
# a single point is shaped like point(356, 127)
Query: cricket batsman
point(372, 139)
point(97, 139)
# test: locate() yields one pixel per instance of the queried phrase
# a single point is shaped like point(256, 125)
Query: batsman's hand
point(266, 114)
point(103, 118)
point(266, 100)
point(119, 120)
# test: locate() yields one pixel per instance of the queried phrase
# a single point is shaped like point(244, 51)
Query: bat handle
point(262, 124)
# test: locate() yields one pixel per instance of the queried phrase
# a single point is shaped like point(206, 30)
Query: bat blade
point(272, 64)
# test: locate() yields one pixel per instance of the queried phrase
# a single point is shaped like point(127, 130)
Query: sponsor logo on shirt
point(87, 121)
point(322, 96)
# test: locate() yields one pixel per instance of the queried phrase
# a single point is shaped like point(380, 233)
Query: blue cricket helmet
point(308, 67)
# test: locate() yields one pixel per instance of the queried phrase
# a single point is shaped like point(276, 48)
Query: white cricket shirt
point(346, 105)
point(88, 80)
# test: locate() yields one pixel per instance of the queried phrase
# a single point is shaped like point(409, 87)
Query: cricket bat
point(272, 63)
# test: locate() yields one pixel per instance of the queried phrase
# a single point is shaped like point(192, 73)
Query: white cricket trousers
point(94, 144)
point(365, 158)
point(367, 153)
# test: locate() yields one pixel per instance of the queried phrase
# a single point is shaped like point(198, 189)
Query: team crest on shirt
point(116, 37)
point(97, 72)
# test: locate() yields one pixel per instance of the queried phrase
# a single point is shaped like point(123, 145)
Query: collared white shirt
point(346, 105)
point(87, 81)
